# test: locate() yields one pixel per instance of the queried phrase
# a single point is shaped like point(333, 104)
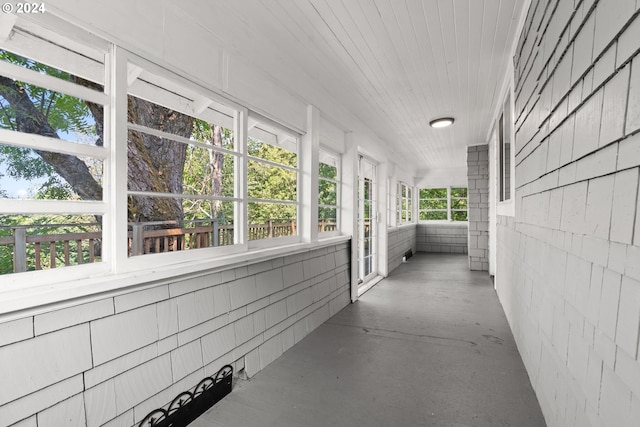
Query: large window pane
point(272, 177)
point(30, 174)
point(41, 242)
point(268, 220)
point(433, 215)
point(181, 175)
point(459, 216)
point(266, 181)
point(431, 193)
point(328, 191)
point(273, 153)
point(327, 219)
point(198, 223)
point(328, 171)
point(440, 204)
point(33, 109)
point(459, 192)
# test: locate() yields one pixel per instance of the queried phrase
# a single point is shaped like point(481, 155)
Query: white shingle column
point(478, 199)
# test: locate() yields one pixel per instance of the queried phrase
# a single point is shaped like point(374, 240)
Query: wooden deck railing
point(36, 250)
point(39, 251)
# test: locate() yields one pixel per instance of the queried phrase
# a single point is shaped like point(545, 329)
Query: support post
point(19, 249)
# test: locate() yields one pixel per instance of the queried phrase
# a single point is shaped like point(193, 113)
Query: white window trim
point(409, 199)
point(449, 210)
point(338, 182)
point(505, 207)
point(117, 272)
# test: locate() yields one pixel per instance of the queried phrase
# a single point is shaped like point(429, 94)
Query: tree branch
point(30, 120)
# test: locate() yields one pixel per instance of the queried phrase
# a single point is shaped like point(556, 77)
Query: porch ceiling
point(396, 64)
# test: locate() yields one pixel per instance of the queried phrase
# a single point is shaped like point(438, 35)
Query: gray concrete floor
point(427, 346)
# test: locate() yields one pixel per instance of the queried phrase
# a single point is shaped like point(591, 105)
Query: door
point(367, 221)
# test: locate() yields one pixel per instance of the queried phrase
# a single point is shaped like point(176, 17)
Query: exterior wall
point(478, 194)
point(442, 238)
point(110, 361)
point(400, 240)
point(568, 265)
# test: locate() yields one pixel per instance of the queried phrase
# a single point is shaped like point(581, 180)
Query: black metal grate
point(187, 406)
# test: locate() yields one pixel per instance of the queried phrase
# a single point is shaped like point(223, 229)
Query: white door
point(367, 221)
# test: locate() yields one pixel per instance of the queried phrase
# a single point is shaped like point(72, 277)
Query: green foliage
point(459, 192)
point(269, 182)
point(328, 171)
point(458, 203)
point(198, 179)
point(433, 204)
point(327, 192)
point(433, 215)
point(433, 193)
point(459, 215)
point(68, 116)
point(64, 113)
point(327, 214)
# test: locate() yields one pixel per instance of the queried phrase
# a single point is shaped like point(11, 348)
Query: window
point(328, 191)
point(504, 150)
point(52, 152)
point(458, 204)
point(272, 179)
point(181, 168)
point(405, 205)
point(443, 204)
point(170, 173)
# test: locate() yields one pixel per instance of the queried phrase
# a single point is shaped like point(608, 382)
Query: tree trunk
point(216, 162)
point(29, 119)
point(156, 164)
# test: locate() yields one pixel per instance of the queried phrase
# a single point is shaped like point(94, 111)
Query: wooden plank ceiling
point(396, 64)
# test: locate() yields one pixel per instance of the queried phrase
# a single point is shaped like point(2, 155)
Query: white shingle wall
point(442, 238)
point(478, 194)
point(399, 241)
point(112, 361)
point(569, 261)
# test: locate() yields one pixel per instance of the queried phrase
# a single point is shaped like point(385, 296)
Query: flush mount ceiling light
point(442, 122)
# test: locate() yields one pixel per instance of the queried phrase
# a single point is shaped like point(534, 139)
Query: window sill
point(445, 223)
point(401, 226)
point(29, 301)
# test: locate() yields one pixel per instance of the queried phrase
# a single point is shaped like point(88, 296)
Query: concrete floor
point(428, 346)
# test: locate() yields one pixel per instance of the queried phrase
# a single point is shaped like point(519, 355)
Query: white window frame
point(24, 43)
point(338, 181)
point(449, 219)
point(116, 269)
point(505, 207)
point(277, 241)
point(139, 68)
point(408, 199)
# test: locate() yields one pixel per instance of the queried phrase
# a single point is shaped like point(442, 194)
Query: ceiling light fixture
point(442, 122)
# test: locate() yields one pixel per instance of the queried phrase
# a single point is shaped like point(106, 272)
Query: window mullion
point(116, 223)
point(240, 171)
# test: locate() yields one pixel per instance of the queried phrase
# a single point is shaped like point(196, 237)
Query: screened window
point(52, 152)
point(405, 205)
point(504, 151)
point(443, 204)
point(328, 191)
point(272, 179)
point(434, 204)
point(182, 161)
point(459, 210)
